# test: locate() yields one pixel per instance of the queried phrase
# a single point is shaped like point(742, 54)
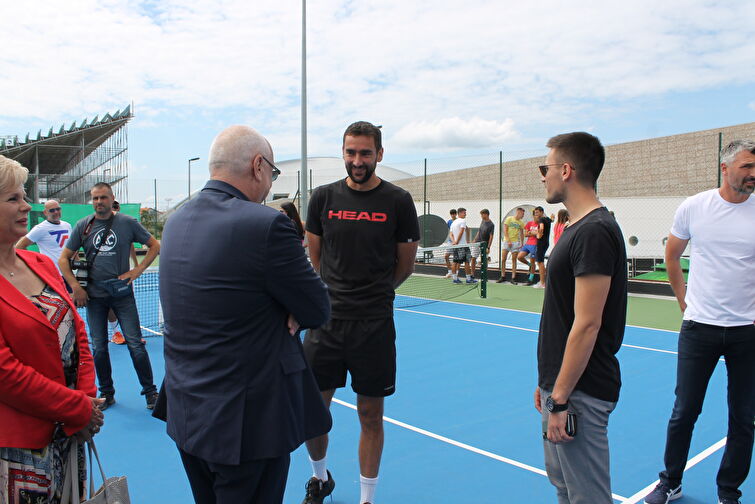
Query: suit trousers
point(260, 481)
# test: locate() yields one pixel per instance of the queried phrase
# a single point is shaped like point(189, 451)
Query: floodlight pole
point(189, 187)
point(304, 194)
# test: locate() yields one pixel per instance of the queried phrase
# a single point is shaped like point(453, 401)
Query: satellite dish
point(433, 230)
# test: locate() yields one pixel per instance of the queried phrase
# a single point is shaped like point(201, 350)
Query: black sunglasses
point(544, 168)
point(276, 171)
point(53, 209)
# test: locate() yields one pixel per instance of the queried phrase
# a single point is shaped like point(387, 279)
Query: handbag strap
point(104, 237)
point(92, 448)
point(70, 493)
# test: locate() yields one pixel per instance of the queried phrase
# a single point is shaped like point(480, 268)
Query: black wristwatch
point(552, 407)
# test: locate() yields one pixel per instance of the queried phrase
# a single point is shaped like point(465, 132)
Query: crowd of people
point(243, 388)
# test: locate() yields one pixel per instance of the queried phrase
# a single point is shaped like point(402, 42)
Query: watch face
point(549, 404)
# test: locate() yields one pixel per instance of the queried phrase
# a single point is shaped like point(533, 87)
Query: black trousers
point(255, 482)
point(700, 347)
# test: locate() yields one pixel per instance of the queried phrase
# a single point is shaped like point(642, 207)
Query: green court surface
point(653, 312)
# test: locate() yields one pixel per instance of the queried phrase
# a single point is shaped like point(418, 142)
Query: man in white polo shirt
point(719, 309)
point(50, 235)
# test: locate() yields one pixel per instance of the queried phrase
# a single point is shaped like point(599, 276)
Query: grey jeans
point(580, 469)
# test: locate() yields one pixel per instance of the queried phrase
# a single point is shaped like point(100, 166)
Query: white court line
point(525, 329)
point(525, 311)
point(150, 330)
point(464, 446)
point(690, 464)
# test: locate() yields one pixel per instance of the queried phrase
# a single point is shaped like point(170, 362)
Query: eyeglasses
point(276, 171)
point(53, 209)
point(544, 168)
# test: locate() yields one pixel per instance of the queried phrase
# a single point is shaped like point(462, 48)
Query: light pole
point(190, 160)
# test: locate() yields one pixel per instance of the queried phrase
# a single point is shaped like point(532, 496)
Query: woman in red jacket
point(47, 390)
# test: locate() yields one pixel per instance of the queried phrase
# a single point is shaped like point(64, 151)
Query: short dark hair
point(520, 208)
point(453, 211)
point(364, 128)
point(485, 211)
point(583, 151)
point(462, 209)
point(116, 205)
point(103, 185)
point(539, 208)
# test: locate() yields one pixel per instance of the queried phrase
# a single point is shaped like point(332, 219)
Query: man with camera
point(103, 281)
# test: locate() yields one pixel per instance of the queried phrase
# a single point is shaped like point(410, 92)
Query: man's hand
point(538, 401)
point(557, 428)
point(80, 296)
point(508, 244)
point(293, 324)
point(131, 275)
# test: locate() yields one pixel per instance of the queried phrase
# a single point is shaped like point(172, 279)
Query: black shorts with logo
point(366, 349)
point(462, 255)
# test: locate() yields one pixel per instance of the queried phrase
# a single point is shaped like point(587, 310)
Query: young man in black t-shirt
point(582, 325)
point(363, 234)
point(543, 242)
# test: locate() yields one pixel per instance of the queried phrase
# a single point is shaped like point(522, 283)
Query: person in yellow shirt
point(513, 236)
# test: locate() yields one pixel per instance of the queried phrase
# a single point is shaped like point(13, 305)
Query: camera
point(82, 272)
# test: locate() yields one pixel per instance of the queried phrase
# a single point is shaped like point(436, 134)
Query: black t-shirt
point(546, 222)
point(486, 231)
point(592, 245)
point(359, 231)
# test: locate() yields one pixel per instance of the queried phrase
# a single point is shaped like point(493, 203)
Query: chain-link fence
point(642, 182)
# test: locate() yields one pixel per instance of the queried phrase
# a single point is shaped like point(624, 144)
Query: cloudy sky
point(443, 77)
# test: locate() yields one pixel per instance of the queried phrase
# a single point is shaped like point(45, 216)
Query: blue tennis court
point(462, 426)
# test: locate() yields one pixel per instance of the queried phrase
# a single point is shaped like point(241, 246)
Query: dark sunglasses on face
point(51, 210)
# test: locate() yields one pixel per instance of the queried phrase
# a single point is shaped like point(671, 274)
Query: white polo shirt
point(720, 287)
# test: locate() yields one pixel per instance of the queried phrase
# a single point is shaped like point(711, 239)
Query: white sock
point(469, 277)
point(319, 469)
point(450, 272)
point(368, 486)
point(113, 325)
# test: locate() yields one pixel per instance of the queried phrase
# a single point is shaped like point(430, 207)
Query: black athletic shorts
point(462, 254)
point(541, 250)
point(364, 348)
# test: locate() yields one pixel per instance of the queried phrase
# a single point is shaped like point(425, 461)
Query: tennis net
point(427, 285)
point(431, 281)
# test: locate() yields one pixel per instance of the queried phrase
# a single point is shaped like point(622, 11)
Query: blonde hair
point(12, 174)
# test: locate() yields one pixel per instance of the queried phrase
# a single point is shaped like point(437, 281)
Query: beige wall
point(678, 165)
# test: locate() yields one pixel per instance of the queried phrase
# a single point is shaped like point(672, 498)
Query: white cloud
point(397, 63)
point(455, 133)
point(752, 105)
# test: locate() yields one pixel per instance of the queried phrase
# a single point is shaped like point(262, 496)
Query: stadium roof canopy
point(57, 149)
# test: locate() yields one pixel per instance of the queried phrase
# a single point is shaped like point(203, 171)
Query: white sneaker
point(538, 286)
point(448, 275)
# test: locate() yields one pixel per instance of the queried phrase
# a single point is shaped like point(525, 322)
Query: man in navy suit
point(235, 287)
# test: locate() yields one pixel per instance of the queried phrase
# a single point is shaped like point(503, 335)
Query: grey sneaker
point(662, 494)
point(317, 489)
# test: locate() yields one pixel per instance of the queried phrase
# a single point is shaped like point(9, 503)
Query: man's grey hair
point(235, 147)
point(730, 151)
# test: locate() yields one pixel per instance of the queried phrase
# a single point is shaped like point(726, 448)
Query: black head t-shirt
point(592, 245)
point(359, 231)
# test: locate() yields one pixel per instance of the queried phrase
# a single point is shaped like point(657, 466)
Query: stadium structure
point(65, 163)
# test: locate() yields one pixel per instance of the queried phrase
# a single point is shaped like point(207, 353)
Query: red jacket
point(33, 394)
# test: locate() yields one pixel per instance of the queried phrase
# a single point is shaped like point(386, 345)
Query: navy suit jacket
point(236, 382)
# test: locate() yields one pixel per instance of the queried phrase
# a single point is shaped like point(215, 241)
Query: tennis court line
point(526, 311)
point(690, 464)
point(518, 328)
point(464, 446)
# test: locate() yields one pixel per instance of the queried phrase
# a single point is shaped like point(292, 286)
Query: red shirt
point(531, 225)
